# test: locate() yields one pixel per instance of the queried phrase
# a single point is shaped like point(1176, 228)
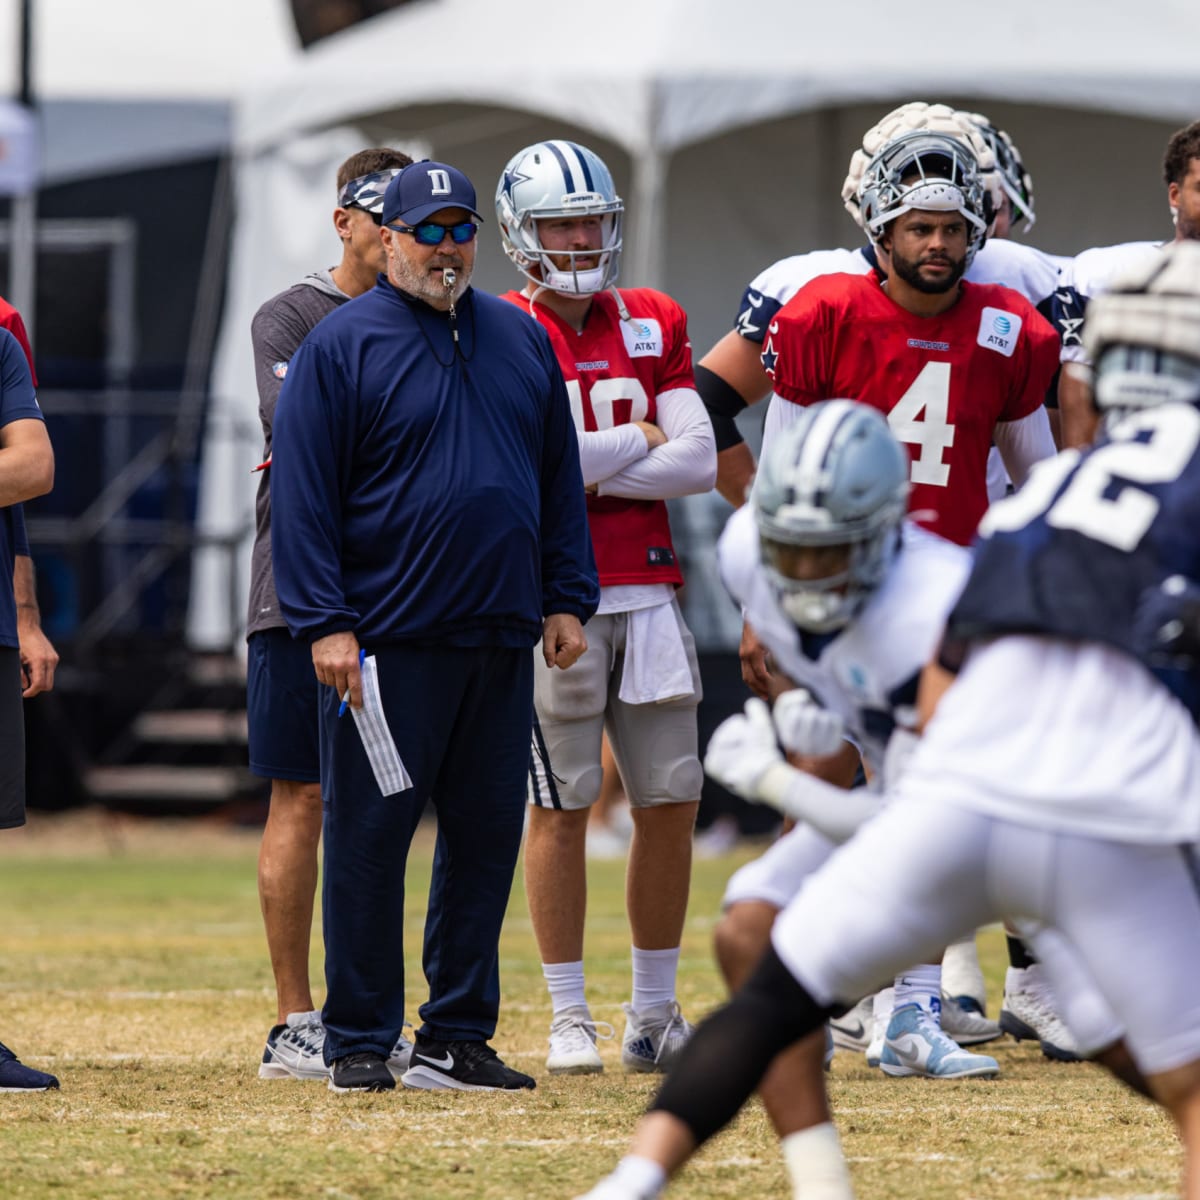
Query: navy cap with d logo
point(424, 188)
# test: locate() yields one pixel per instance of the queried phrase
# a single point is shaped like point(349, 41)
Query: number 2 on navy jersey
point(603, 395)
point(1102, 500)
point(920, 418)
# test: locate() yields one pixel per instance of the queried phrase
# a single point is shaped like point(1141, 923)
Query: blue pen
point(362, 655)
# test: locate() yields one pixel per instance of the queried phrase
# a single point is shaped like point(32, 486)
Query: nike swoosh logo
point(907, 1052)
point(854, 1031)
point(446, 1062)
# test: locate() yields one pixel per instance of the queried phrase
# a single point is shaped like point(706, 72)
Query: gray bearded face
point(421, 270)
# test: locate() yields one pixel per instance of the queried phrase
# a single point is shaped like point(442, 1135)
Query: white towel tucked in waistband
point(656, 661)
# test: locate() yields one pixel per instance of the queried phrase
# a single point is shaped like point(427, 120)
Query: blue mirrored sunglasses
point(430, 233)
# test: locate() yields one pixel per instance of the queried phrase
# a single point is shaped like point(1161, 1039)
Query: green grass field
point(132, 964)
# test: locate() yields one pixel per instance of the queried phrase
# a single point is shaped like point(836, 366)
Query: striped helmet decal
point(577, 175)
point(812, 469)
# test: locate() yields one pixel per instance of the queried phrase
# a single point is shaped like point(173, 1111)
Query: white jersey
point(1091, 274)
point(1031, 272)
point(1016, 752)
point(867, 673)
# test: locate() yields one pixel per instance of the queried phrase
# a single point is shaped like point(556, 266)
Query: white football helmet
point(558, 179)
point(836, 477)
point(933, 118)
point(1010, 170)
point(1143, 336)
point(942, 176)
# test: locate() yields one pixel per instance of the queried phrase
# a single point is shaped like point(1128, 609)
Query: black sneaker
point(15, 1076)
point(365, 1072)
point(463, 1066)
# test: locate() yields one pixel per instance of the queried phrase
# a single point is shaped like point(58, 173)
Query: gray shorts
point(655, 745)
point(12, 740)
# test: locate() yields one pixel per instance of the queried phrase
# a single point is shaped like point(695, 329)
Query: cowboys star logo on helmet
point(559, 179)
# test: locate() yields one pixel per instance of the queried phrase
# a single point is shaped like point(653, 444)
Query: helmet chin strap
point(575, 284)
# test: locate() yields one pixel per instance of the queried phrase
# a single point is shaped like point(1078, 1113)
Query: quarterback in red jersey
point(953, 365)
point(644, 437)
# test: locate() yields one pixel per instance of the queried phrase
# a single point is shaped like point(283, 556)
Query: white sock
point(653, 977)
point(565, 981)
point(815, 1163)
point(642, 1177)
point(921, 985)
point(881, 1009)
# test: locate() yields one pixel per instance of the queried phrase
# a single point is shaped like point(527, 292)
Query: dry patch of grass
point(132, 963)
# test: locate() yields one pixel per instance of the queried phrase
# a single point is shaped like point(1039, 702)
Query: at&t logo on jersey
point(643, 337)
point(999, 331)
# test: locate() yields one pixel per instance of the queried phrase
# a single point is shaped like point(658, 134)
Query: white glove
point(742, 750)
point(899, 750)
point(806, 728)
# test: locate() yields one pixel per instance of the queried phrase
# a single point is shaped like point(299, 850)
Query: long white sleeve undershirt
point(687, 464)
point(1024, 443)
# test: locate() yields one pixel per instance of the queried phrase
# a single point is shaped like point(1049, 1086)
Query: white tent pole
point(649, 220)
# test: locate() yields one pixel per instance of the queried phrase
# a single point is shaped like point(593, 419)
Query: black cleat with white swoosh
point(461, 1066)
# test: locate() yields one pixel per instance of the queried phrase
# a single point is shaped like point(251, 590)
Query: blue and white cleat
point(653, 1039)
point(916, 1045)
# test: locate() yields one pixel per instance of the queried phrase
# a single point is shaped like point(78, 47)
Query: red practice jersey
point(10, 319)
point(943, 382)
point(614, 370)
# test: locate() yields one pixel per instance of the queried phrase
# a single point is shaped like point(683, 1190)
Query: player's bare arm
point(733, 363)
point(38, 656)
point(26, 461)
point(1077, 414)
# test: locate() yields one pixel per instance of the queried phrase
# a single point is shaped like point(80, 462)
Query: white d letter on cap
point(440, 182)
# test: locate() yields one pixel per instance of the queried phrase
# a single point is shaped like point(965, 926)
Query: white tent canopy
point(125, 84)
point(674, 72)
point(727, 129)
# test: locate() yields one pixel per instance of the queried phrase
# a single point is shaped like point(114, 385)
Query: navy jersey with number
point(1090, 542)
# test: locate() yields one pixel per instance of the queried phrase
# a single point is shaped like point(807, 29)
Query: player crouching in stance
point(850, 600)
point(1094, 844)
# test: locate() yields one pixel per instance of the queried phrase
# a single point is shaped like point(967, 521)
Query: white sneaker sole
point(899, 1071)
point(424, 1079)
point(279, 1071)
point(584, 1066)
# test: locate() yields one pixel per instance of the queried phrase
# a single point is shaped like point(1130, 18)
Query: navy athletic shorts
point(282, 702)
point(12, 740)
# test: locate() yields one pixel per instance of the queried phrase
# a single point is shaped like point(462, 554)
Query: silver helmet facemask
point(930, 172)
